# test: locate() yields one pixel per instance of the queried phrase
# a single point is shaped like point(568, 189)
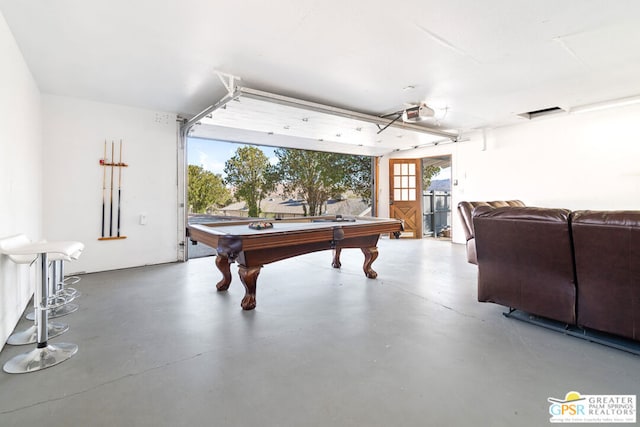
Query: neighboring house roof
point(279, 206)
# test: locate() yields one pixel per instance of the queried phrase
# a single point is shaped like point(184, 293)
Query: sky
point(212, 155)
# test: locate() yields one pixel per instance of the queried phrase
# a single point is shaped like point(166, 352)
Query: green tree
point(206, 189)
point(357, 171)
point(428, 172)
point(248, 172)
point(316, 176)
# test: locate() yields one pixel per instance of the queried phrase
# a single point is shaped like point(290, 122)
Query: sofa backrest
point(607, 257)
point(525, 260)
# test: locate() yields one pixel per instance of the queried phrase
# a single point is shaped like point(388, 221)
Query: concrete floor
point(324, 347)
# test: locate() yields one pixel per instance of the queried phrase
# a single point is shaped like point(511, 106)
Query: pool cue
point(119, 185)
point(111, 197)
point(104, 183)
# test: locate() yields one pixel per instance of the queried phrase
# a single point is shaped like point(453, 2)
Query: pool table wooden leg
point(370, 255)
point(249, 277)
point(222, 262)
point(336, 258)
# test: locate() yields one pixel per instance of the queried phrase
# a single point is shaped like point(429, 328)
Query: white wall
point(573, 161)
point(576, 161)
point(75, 131)
point(20, 174)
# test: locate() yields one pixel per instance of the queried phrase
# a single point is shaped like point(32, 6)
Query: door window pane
point(405, 182)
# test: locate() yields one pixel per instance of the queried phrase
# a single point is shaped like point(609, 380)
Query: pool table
point(235, 241)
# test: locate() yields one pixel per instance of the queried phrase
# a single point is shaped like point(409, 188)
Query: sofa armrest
point(466, 212)
point(466, 209)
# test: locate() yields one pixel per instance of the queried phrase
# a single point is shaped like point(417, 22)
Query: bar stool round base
point(40, 358)
point(63, 310)
point(30, 335)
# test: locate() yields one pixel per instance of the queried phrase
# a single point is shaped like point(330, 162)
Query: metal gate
point(436, 213)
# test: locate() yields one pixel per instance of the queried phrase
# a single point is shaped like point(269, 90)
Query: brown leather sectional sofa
point(580, 268)
point(466, 210)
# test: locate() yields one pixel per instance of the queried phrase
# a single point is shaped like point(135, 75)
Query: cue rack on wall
point(109, 193)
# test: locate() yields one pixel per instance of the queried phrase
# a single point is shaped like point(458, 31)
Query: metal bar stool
point(63, 284)
point(62, 295)
point(45, 354)
point(60, 287)
point(8, 246)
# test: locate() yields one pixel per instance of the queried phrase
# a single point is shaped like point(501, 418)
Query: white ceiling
point(477, 63)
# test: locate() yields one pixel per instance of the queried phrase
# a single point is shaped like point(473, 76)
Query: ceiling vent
point(544, 112)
